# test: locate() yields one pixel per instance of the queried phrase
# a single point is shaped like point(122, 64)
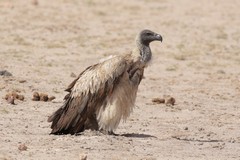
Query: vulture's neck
point(144, 51)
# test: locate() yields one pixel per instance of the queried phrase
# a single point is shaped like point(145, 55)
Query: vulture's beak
point(158, 37)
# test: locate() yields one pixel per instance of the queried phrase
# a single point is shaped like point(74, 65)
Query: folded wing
point(87, 94)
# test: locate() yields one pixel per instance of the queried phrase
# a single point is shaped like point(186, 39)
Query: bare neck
point(145, 51)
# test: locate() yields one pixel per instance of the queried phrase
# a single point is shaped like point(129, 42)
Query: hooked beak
point(158, 37)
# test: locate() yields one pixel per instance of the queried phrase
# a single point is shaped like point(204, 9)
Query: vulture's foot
point(112, 133)
point(108, 132)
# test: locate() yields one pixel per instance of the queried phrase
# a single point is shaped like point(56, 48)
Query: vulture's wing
point(86, 94)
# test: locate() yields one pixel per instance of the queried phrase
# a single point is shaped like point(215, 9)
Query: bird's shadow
point(130, 135)
point(137, 135)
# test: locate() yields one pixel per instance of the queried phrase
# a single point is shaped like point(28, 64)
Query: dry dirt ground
point(43, 42)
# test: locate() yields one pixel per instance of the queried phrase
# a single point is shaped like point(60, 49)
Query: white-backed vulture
point(104, 93)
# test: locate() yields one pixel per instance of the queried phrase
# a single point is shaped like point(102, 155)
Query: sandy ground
point(198, 64)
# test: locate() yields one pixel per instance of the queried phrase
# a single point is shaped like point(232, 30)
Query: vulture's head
point(147, 36)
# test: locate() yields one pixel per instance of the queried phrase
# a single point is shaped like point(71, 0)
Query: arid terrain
point(45, 43)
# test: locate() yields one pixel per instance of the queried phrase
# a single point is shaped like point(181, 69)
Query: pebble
point(82, 156)
point(170, 101)
point(73, 75)
point(22, 147)
point(5, 73)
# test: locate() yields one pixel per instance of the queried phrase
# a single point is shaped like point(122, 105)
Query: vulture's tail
point(54, 118)
point(63, 123)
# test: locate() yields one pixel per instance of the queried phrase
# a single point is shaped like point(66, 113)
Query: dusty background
point(198, 64)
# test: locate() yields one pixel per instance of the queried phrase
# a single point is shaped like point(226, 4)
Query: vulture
point(104, 93)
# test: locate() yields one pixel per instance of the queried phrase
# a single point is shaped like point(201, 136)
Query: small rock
point(21, 97)
point(232, 140)
point(215, 146)
point(35, 2)
point(5, 73)
point(82, 156)
point(170, 101)
point(22, 147)
point(22, 81)
point(185, 128)
point(73, 75)
point(221, 72)
point(158, 100)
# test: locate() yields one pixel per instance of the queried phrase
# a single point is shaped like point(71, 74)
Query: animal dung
point(168, 100)
point(12, 96)
point(42, 97)
point(51, 98)
point(158, 100)
point(36, 96)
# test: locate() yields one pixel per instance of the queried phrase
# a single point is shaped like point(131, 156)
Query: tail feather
point(63, 120)
point(54, 118)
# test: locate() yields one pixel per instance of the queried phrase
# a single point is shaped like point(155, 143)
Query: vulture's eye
point(149, 34)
